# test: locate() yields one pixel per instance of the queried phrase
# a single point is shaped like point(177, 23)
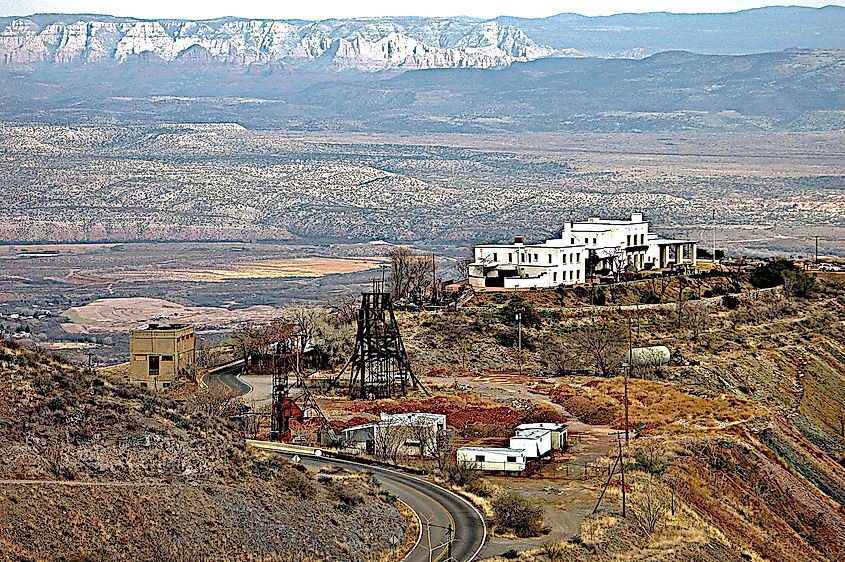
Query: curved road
point(440, 507)
point(228, 375)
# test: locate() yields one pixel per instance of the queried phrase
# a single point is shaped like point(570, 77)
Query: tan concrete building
point(160, 354)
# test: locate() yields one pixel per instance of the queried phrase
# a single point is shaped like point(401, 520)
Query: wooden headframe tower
point(379, 364)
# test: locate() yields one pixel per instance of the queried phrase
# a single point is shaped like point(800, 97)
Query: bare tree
point(659, 286)
point(649, 506)
point(248, 338)
point(207, 356)
point(560, 354)
point(215, 401)
point(304, 320)
point(334, 341)
point(698, 319)
point(343, 309)
point(429, 437)
point(442, 453)
point(462, 265)
point(616, 263)
point(390, 435)
point(602, 343)
point(410, 274)
point(649, 362)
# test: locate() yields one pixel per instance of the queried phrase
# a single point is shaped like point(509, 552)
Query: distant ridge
point(755, 30)
point(410, 43)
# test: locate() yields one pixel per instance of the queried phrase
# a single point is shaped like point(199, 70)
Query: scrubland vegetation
point(93, 469)
point(740, 449)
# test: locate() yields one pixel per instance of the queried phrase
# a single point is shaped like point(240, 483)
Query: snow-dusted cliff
point(365, 44)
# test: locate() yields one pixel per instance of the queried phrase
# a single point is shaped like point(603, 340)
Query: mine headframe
point(379, 367)
point(283, 409)
point(292, 399)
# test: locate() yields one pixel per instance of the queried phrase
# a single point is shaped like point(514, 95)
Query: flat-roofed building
point(161, 354)
point(526, 266)
point(594, 246)
point(413, 433)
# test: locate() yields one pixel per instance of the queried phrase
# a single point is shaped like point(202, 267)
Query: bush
point(480, 487)
point(648, 460)
point(730, 302)
point(529, 315)
point(511, 554)
point(509, 337)
point(649, 297)
point(771, 274)
point(600, 298)
point(462, 473)
point(798, 284)
point(521, 515)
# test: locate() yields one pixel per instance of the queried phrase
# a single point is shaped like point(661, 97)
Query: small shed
point(534, 442)
point(559, 432)
point(493, 459)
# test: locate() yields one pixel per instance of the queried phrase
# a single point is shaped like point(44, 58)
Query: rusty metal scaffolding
point(379, 363)
point(287, 377)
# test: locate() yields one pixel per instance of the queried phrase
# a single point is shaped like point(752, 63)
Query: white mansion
point(584, 248)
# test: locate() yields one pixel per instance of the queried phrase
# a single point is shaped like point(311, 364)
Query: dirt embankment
point(96, 470)
point(757, 501)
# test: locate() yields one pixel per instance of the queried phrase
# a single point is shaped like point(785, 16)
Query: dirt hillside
point(95, 470)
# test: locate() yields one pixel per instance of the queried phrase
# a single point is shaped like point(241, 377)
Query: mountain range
point(339, 44)
point(799, 89)
point(375, 44)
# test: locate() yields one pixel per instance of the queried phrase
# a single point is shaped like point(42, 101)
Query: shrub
point(600, 298)
point(730, 302)
point(771, 274)
point(648, 460)
point(349, 497)
point(798, 284)
point(529, 315)
point(649, 297)
point(462, 473)
point(508, 337)
point(480, 487)
point(511, 554)
point(553, 551)
point(521, 515)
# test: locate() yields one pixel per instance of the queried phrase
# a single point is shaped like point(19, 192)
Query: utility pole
point(622, 466)
point(433, 278)
point(816, 261)
point(449, 539)
point(627, 376)
point(90, 356)
point(680, 299)
point(714, 237)
point(519, 338)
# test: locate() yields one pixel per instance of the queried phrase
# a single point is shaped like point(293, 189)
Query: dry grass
point(661, 407)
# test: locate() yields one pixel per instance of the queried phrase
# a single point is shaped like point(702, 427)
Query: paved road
point(431, 503)
point(228, 375)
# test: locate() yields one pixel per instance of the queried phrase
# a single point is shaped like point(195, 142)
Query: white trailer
point(560, 432)
point(534, 442)
point(493, 459)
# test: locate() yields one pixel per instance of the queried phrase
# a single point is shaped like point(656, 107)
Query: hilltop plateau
point(738, 449)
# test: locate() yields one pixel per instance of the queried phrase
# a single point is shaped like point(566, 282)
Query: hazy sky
point(320, 9)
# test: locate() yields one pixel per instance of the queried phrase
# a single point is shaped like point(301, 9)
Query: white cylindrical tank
point(657, 355)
